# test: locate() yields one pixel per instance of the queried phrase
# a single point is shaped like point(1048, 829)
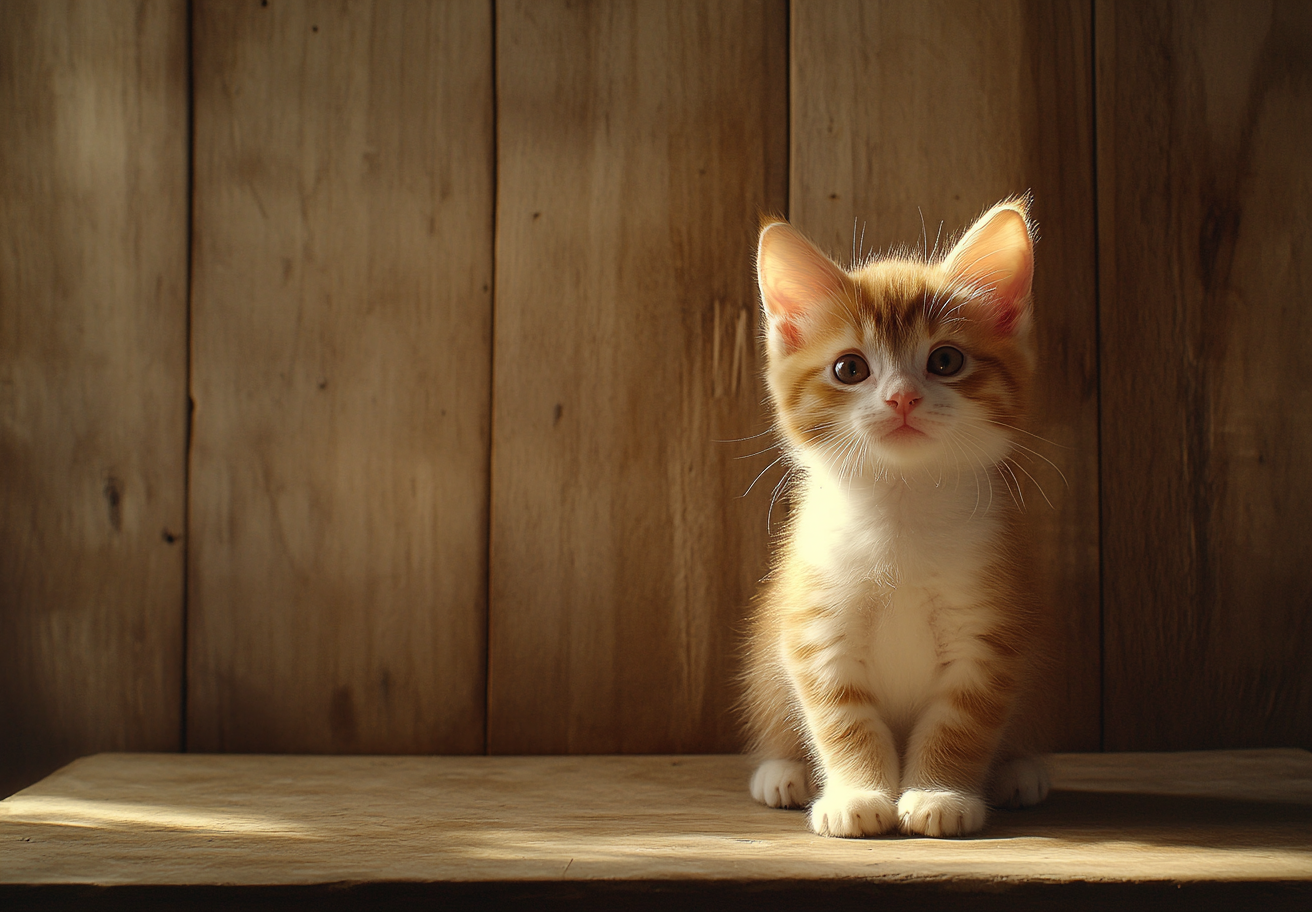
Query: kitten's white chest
point(901, 645)
point(903, 569)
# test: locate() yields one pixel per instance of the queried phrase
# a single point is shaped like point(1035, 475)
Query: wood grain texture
point(1118, 831)
point(341, 323)
point(93, 309)
point(944, 108)
point(1205, 115)
point(638, 143)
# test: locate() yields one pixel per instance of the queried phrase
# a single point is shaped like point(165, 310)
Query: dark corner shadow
point(1162, 820)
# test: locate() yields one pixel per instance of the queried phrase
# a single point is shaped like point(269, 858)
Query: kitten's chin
point(906, 435)
point(907, 447)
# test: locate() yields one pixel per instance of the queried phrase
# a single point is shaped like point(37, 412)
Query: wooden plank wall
point(1205, 113)
point(341, 322)
point(637, 145)
point(471, 307)
point(93, 383)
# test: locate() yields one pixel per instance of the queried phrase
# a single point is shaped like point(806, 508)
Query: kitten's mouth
point(905, 432)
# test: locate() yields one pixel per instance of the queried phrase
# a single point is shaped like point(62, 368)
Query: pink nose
point(903, 401)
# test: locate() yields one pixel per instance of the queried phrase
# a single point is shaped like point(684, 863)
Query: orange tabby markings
point(892, 641)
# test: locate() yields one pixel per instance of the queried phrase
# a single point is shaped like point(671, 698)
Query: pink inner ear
point(794, 277)
point(997, 258)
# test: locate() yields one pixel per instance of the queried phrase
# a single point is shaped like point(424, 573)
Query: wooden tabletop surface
point(1224, 818)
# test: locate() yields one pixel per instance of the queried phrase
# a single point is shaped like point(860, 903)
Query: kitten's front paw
point(853, 812)
point(781, 784)
point(939, 812)
point(1019, 783)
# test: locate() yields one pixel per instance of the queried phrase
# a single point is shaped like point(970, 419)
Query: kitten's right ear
point(995, 258)
point(794, 277)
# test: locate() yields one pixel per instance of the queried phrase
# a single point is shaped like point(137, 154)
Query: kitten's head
point(901, 363)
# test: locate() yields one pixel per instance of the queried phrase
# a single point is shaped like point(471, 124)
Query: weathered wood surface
point(637, 144)
point(909, 119)
point(93, 395)
point(1113, 820)
point(1205, 111)
point(341, 323)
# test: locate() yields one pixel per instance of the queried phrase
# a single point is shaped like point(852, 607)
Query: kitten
point(893, 637)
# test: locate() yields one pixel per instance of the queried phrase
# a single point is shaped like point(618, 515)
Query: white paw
point(940, 812)
point(1019, 783)
point(853, 812)
point(781, 784)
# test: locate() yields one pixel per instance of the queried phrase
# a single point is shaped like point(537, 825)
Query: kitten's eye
point(946, 361)
point(851, 369)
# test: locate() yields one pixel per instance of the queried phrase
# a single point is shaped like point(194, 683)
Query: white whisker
point(1016, 495)
point(983, 464)
point(773, 463)
point(1020, 446)
point(1042, 493)
point(774, 496)
point(773, 446)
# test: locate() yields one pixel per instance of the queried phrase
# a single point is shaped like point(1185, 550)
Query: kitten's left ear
point(996, 258)
point(797, 283)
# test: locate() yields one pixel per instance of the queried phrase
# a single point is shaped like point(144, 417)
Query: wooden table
point(1225, 829)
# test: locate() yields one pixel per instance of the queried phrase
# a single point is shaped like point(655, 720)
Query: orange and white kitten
point(894, 635)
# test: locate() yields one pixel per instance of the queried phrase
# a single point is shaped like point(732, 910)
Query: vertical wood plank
point(941, 109)
point(1205, 116)
point(341, 323)
point(638, 144)
point(93, 266)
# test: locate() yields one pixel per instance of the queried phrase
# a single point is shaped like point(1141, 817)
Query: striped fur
point(896, 633)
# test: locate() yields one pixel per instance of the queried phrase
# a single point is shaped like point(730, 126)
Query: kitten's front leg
point(948, 756)
point(858, 760)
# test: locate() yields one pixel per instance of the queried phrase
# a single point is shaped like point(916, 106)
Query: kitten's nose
point(903, 401)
